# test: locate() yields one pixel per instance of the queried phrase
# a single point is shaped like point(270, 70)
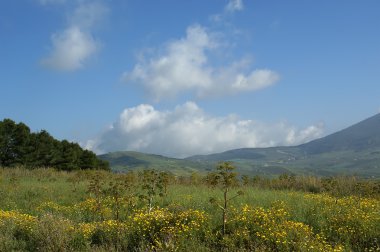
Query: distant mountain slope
point(245, 153)
point(354, 150)
point(131, 160)
point(255, 154)
point(361, 136)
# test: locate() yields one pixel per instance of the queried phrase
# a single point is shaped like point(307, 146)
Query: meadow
point(49, 210)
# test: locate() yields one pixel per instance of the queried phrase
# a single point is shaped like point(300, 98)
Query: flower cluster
point(54, 208)
point(162, 227)
point(158, 228)
point(25, 222)
point(109, 228)
point(87, 210)
point(319, 222)
point(350, 220)
point(271, 229)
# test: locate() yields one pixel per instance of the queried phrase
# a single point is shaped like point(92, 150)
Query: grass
point(48, 210)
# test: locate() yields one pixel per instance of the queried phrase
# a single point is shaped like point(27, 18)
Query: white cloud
point(231, 7)
point(234, 5)
point(185, 66)
point(74, 46)
point(188, 130)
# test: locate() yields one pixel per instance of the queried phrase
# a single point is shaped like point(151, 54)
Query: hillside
point(354, 150)
point(362, 136)
point(130, 160)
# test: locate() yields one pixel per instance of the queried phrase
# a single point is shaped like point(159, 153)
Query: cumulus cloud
point(234, 5)
point(184, 66)
point(187, 130)
point(74, 46)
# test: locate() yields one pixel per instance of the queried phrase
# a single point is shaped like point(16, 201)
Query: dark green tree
point(42, 150)
point(18, 146)
point(13, 142)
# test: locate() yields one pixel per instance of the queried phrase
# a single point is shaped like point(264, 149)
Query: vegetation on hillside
point(263, 162)
point(19, 146)
point(49, 210)
point(354, 150)
point(42, 209)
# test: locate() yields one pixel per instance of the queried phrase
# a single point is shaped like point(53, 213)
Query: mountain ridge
point(353, 150)
point(359, 136)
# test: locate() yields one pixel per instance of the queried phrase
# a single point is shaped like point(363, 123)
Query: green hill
point(354, 150)
point(130, 160)
point(362, 136)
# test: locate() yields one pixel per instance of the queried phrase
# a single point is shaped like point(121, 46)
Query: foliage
point(43, 214)
point(273, 230)
point(18, 146)
point(227, 179)
point(162, 228)
point(153, 184)
point(351, 220)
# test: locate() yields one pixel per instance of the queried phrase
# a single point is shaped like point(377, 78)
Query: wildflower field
point(48, 210)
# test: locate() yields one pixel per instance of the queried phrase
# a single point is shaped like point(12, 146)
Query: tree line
point(20, 146)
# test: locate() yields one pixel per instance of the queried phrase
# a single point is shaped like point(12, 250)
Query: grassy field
point(47, 210)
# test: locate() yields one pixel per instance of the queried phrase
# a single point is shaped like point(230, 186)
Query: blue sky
point(189, 77)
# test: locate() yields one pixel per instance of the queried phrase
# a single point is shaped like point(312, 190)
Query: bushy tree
point(152, 186)
point(42, 150)
point(13, 142)
point(226, 178)
point(18, 146)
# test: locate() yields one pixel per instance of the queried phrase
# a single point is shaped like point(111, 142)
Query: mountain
point(354, 150)
point(130, 160)
point(364, 135)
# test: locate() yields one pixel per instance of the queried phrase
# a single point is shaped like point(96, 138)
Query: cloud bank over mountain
point(186, 66)
point(188, 130)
